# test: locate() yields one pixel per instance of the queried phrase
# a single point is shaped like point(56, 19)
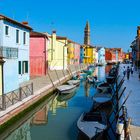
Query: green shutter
point(26, 66)
point(19, 67)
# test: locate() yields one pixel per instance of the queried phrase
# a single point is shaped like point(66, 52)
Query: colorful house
point(38, 54)
point(1, 75)
point(88, 54)
point(94, 55)
point(101, 55)
point(113, 55)
point(57, 52)
point(81, 54)
point(70, 52)
point(14, 45)
point(77, 53)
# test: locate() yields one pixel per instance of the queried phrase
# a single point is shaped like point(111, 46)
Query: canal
point(57, 118)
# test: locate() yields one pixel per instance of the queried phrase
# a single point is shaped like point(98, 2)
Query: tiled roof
point(2, 17)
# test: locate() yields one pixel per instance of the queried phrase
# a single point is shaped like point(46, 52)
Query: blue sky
point(113, 23)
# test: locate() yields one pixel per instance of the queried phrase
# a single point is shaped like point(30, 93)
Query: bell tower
point(87, 34)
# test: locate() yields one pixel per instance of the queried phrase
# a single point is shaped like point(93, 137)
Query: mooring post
point(3, 101)
point(32, 88)
point(58, 77)
point(51, 80)
point(20, 94)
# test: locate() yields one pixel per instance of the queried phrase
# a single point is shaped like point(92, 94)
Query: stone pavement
point(41, 86)
point(133, 103)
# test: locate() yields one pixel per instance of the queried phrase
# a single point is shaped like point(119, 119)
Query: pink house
point(38, 54)
point(77, 53)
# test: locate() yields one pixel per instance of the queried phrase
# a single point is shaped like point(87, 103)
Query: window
point(17, 36)
point(24, 37)
point(6, 30)
point(24, 67)
point(19, 67)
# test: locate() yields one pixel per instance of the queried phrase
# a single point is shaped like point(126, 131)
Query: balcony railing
point(8, 52)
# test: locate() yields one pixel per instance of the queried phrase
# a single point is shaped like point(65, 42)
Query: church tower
point(87, 34)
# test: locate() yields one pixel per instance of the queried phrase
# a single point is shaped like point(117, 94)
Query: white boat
point(64, 89)
point(91, 124)
point(73, 82)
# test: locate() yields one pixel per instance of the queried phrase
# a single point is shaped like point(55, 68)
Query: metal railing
point(9, 52)
point(11, 98)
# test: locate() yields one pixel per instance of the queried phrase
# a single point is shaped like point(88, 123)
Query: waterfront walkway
point(133, 103)
point(41, 87)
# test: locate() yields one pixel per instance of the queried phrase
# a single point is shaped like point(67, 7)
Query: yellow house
point(57, 52)
point(70, 52)
point(1, 75)
point(88, 54)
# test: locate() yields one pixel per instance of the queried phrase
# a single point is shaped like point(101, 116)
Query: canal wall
point(42, 86)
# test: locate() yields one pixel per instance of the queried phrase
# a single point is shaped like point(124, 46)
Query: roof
point(70, 41)
point(37, 34)
point(2, 17)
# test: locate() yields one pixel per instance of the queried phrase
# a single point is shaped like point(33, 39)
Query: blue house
point(81, 54)
point(14, 47)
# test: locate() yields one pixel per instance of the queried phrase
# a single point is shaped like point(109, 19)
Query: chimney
point(53, 43)
point(25, 23)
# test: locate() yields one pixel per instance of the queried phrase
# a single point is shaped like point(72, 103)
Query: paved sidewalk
point(133, 103)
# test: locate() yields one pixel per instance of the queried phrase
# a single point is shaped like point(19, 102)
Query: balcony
point(8, 52)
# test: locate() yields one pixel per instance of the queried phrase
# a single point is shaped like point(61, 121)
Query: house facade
point(113, 55)
point(101, 55)
point(70, 52)
point(14, 45)
point(76, 53)
point(88, 54)
point(81, 54)
point(57, 52)
point(38, 54)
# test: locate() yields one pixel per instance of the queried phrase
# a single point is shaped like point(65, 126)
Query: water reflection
point(57, 119)
point(86, 88)
point(22, 133)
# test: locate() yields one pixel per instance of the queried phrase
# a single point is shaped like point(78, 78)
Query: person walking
point(124, 71)
point(132, 69)
point(128, 73)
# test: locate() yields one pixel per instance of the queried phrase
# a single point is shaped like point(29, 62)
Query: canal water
point(57, 119)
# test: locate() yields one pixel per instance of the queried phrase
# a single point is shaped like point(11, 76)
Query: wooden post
point(57, 77)
point(51, 80)
point(32, 88)
point(3, 101)
point(64, 75)
point(20, 94)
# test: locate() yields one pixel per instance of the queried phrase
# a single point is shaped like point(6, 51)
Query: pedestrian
point(128, 73)
point(132, 69)
point(124, 71)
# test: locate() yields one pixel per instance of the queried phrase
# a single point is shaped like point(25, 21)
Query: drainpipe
point(45, 66)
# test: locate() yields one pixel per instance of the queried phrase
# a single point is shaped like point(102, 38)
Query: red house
point(38, 54)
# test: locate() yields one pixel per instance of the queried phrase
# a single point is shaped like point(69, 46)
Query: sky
point(113, 23)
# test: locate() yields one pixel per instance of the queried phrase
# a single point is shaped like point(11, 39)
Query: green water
point(57, 119)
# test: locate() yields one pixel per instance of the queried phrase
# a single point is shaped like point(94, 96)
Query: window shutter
point(19, 67)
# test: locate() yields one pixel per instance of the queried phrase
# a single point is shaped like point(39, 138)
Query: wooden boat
point(73, 82)
point(104, 86)
point(92, 124)
point(102, 98)
point(110, 79)
point(90, 79)
point(65, 89)
point(65, 97)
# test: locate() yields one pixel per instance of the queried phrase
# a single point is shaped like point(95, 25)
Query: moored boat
point(73, 82)
point(92, 124)
point(65, 89)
